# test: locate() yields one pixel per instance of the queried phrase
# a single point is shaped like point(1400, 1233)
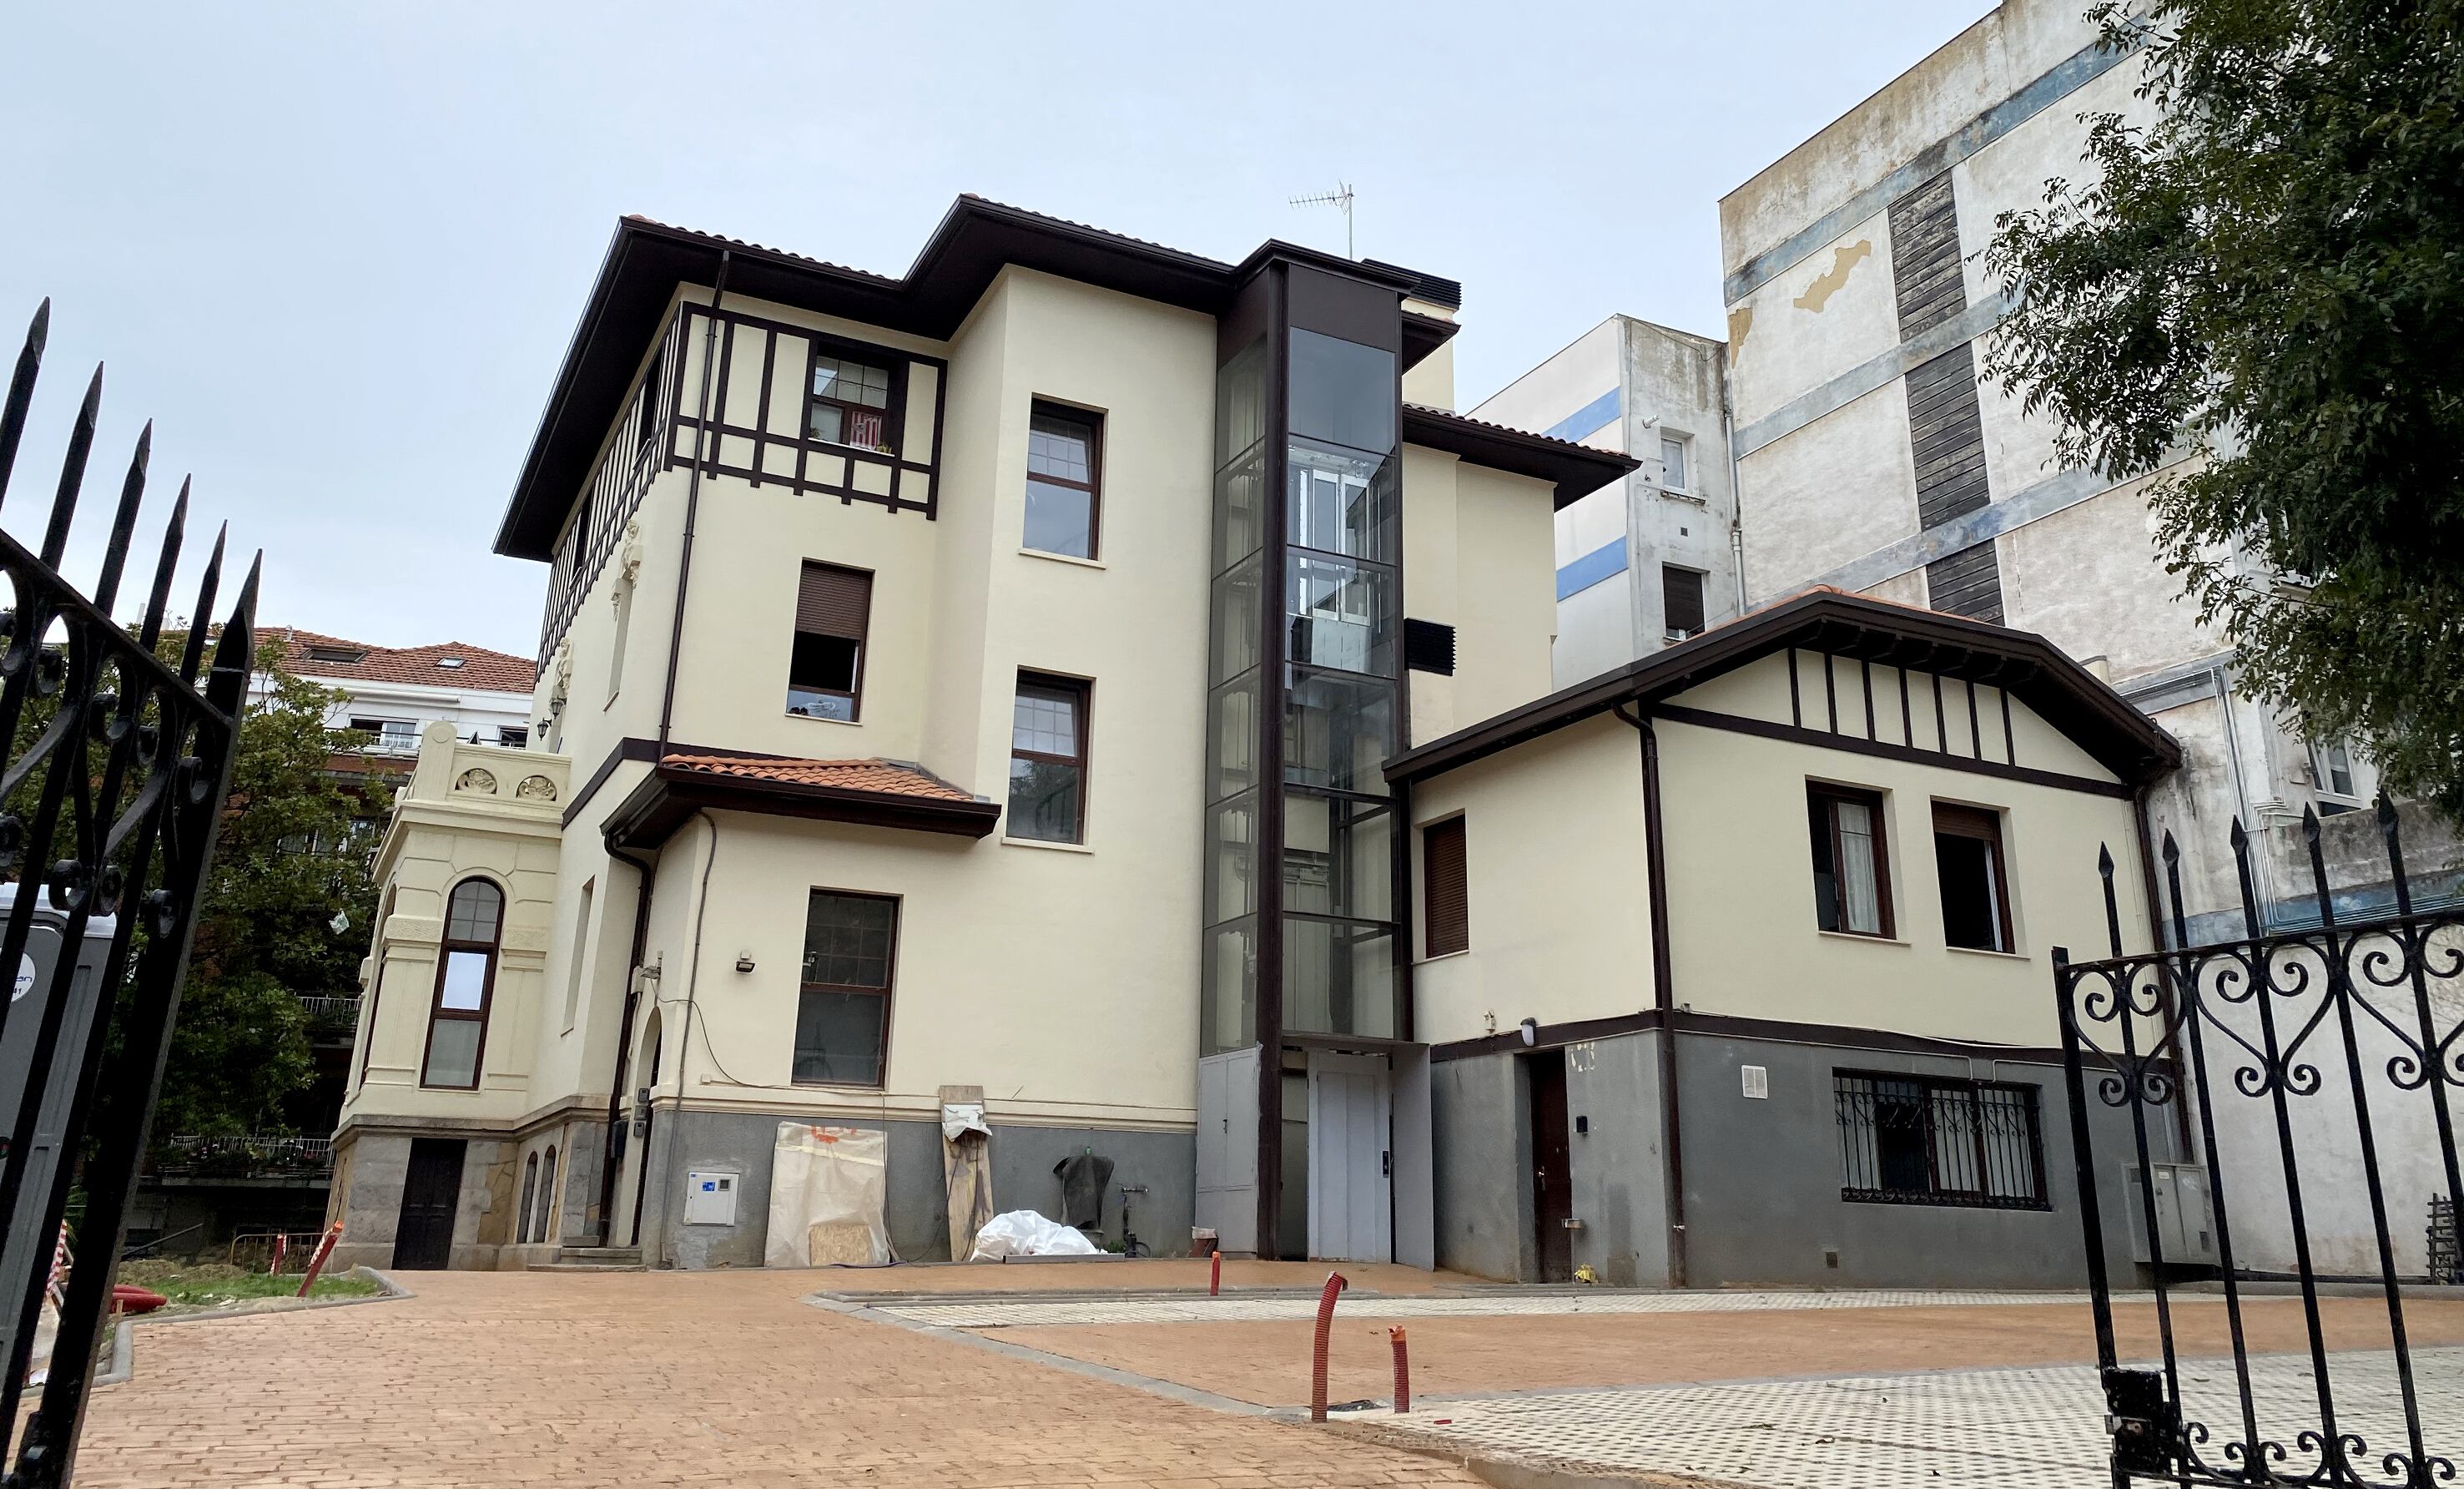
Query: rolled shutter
point(1447, 895)
point(834, 601)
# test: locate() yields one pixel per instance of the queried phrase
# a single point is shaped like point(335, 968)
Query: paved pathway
point(2016, 1429)
point(1001, 1313)
point(651, 1379)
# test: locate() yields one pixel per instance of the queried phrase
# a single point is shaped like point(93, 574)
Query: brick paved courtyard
point(922, 1376)
point(642, 1379)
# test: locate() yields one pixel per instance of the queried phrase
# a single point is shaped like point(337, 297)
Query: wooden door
point(431, 1190)
point(1552, 1181)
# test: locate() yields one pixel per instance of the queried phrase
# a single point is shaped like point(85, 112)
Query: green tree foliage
point(2266, 270)
point(290, 858)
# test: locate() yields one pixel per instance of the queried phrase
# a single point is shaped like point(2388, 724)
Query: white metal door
point(1351, 1127)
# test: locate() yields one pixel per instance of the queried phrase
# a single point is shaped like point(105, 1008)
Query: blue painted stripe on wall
point(2067, 77)
point(1586, 421)
point(1601, 563)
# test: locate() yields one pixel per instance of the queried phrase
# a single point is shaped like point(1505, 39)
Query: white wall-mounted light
point(744, 962)
point(1530, 1031)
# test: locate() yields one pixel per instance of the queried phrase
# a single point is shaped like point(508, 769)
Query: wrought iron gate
point(117, 767)
point(2341, 1042)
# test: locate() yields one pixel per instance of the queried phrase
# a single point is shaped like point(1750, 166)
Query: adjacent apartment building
point(1109, 685)
point(1654, 558)
point(1872, 456)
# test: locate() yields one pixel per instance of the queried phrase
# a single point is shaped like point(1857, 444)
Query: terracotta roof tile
point(881, 777)
point(479, 669)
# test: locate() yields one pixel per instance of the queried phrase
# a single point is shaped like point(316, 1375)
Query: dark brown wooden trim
point(1830, 689)
point(1882, 750)
point(1795, 708)
point(1941, 719)
point(2010, 745)
point(1975, 724)
point(1865, 676)
point(630, 748)
point(1733, 1026)
point(1907, 715)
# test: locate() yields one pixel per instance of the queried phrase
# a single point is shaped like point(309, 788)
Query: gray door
point(1350, 1200)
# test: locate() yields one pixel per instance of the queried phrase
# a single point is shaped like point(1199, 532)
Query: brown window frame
point(1886, 914)
point(854, 693)
point(437, 1012)
point(891, 403)
point(1702, 602)
point(1092, 421)
point(1981, 824)
point(1084, 691)
point(1431, 834)
point(886, 992)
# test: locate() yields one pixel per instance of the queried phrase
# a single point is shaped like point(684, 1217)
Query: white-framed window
point(2331, 770)
point(1676, 462)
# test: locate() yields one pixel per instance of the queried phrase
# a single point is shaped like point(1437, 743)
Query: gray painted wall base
point(1763, 1176)
point(1023, 1179)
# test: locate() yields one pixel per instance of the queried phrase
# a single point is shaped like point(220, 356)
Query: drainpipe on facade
point(684, 1045)
point(667, 714)
point(610, 1154)
point(1737, 488)
point(702, 421)
point(1664, 995)
point(2157, 939)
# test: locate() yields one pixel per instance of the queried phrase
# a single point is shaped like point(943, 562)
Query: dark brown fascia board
point(2070, 697)
point(667, 798)
point(1577, 470)
point(647, 261)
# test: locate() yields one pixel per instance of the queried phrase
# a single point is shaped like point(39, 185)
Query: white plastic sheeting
point(828, 1186)
point(1022, 1233)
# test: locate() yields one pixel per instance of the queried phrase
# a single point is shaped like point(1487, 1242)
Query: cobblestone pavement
point(2016, 1429)
point(648, 1379)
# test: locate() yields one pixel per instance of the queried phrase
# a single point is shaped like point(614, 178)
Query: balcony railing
point(249, 1156)
point(331, 1014)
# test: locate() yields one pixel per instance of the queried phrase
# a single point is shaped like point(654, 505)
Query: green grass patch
point(216, 1284)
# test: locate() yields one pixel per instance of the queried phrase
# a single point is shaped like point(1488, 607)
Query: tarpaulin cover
point(827, 1190)
point(1022, 1233)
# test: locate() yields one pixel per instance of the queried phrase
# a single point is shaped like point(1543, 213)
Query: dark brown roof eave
point(2070, 697)
point(645, 260)
point(668, 797)
point(1575, 471)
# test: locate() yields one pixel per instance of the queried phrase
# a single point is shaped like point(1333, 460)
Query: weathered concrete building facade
point(1872, 456)
point(1653, 559)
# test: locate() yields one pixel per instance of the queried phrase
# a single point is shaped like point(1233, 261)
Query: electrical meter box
point(710, 1196)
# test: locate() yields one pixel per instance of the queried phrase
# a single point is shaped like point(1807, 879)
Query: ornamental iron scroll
point(118, 766)
point(2343, 1042)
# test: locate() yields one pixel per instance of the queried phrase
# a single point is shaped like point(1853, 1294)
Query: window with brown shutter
point(1445, 911)
point(826, 671)
point(1968, 861)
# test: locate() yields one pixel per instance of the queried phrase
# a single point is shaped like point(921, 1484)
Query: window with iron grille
point(1923, 1140)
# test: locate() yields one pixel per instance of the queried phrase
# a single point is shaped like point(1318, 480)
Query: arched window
point(466, 981)
point(547, 1197)
point(530, 1186)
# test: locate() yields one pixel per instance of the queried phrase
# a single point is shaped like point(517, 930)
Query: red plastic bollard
point(1215, 1276)
point(316, 1262)
point(1334, 1283)
point(1402, 1373)
point(276, 1270)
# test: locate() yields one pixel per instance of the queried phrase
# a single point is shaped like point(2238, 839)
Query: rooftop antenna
point(1341, 200)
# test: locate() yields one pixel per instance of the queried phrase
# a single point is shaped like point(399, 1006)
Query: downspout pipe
point(610, 1154)
point(1663, 992)
point(703, 418)
point(2157, 939)
point(667, 719)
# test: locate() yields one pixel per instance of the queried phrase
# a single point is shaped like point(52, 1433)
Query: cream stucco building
point(1111, 684)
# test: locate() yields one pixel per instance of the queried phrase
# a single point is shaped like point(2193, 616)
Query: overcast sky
point(336, 250)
